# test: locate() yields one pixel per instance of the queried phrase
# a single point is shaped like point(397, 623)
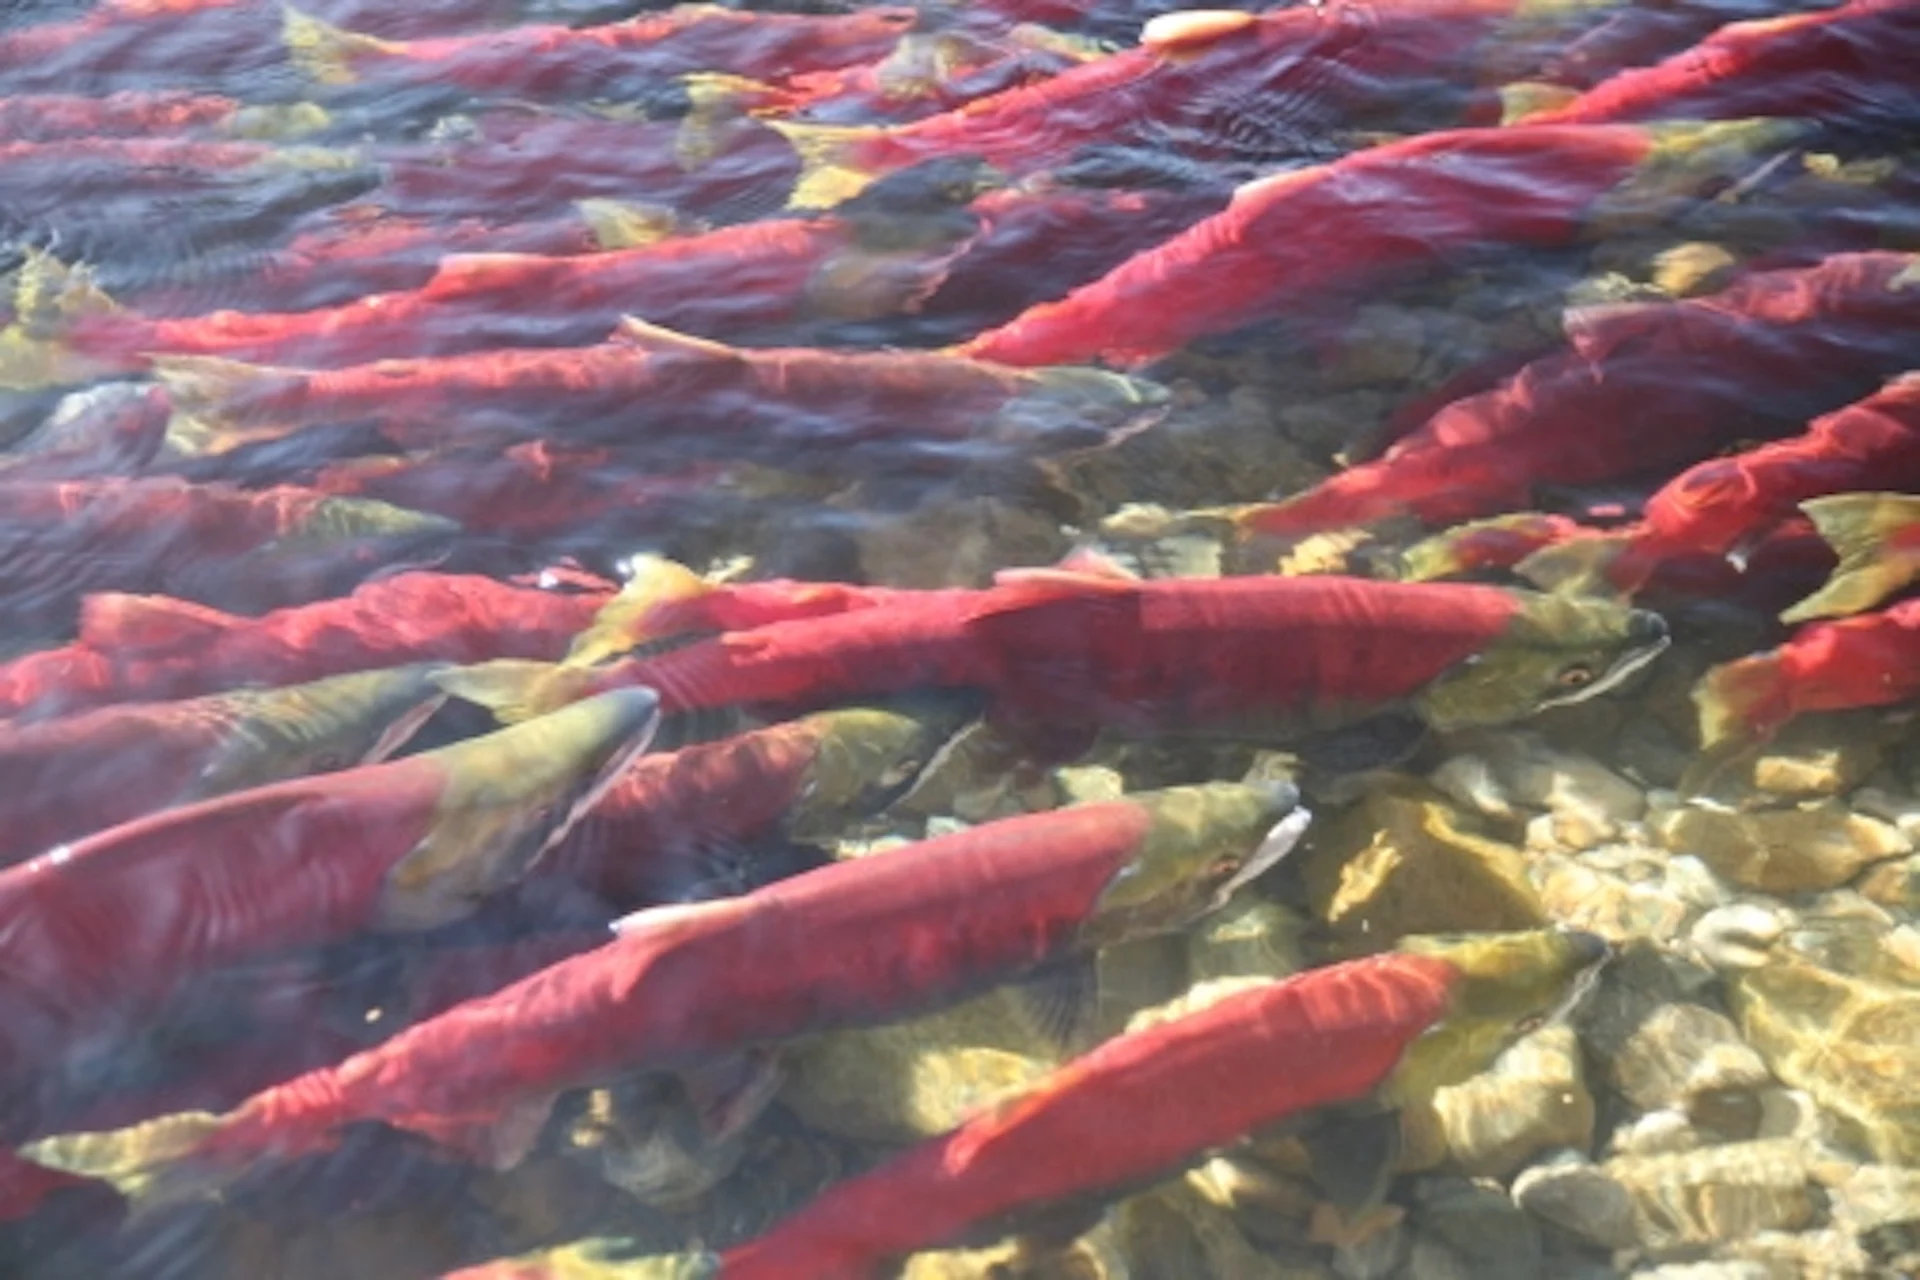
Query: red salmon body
point(849, 944)
point(1183, 1088)
point(1643, 387)
point(530, 490)
point(1295, 241)
point(1852, 65)
point(1270, 654)
point(98, 931)
point(648, 385)
point(725, 282)
point(1716, 506)
point(1199, 80)
point(144, 648)
point(1225, 654)
point(1870, 660)
point(728, 170)
point(46, 116)
point(64, 539)
point(554, 62)
point(96, 934)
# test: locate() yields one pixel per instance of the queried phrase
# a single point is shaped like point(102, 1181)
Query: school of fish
point(565, 564)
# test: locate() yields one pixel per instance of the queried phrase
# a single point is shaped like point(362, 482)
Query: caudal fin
point(830, 171)
point(517, 689)
point(323, 52)
point(1746, 699)
point(1877, 538)
point(639, 614)
point(220, 404)
point(152, 1164)
point(48, 296)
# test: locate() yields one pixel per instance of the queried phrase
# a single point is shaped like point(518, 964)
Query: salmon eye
point(1577, 676)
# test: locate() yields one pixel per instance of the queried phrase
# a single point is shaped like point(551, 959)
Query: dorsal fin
point(655, 338)
point(119, 621)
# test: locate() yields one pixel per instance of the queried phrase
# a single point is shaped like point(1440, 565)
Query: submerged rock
point(1463, 1230)
point(1399, 863)
point(1533, 1098)
point(1852, 1043)
point(1715, 1194)
point(1800, 850)
point(910, 1080)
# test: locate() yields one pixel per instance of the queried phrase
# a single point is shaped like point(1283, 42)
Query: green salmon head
point(1554, 650)
point(1506, 985)
point(320, 727)
point(1202, 843)
point(865, 759)
point(511, 795)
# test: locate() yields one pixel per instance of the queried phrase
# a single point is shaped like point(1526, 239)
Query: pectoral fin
point(1062, 1000)
point(1352, 1158)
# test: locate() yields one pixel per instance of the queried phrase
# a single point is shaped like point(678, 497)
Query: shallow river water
point(1040, 638)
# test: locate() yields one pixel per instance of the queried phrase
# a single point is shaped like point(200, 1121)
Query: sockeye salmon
point(67, 777)
point(345, 252)
point(552, 62)
point(1643, 386)
point(150, 648)
point(1258, 87)
point(1720, 506)
point(1062, 655)
point(1848, 66)
point(535, 491)
point(863, 262)
point(1295, 242)
point(94, 934)
point(60, 540)
point(650, 386)
point(849, 944)
point(43, 117)
point(1389, 1029)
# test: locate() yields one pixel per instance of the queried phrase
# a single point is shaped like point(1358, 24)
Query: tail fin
point(152, 1163)
point(216, 402)
point(1523, 101)
point(323, 52)
point(269, 122)
point(829, 173)
point(627, 224)
point(1744, 699)
point(1877, 537)
point(517, 689)
point(1598, 565)
point(1498, 542)
point(48, 295)
point(631, 618)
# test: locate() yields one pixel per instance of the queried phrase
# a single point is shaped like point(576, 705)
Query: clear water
point(206, 264)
